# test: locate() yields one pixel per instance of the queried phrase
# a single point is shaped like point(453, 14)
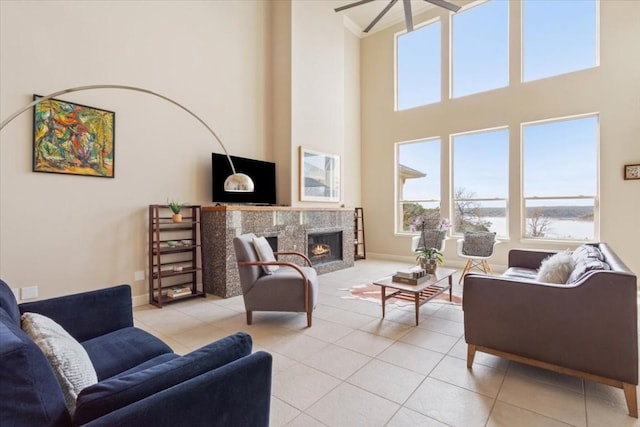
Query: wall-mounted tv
point(262, 173)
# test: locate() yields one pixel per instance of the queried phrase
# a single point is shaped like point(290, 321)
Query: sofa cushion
point(584, 266)
point(583, 252)
point(123, 349)
point(158, 360)
point(265, 254)
point(556, 268)
point(520, 273)
point(69, 360)
point(478, 243)
point(115, 393)
point(8, 303)
point(29, 392)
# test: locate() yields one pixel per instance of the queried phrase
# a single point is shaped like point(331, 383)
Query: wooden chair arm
point(300, 254)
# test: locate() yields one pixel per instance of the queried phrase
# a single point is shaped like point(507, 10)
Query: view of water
point(558, 229)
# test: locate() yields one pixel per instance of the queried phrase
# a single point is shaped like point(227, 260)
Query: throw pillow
point(584, 266)
point(556, 268)
point(265, 254)
point(69, 360)
point(431, 239)
point(478, 243)
point(584, 252)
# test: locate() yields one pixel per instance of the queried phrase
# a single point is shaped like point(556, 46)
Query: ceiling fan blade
point(380, 15)
point(450, 6)
point(348, 6)
point(408, 18)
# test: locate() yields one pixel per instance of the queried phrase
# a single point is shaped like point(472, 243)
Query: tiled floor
point(354, 369)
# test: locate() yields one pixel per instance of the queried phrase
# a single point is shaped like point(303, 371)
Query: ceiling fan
point(408, 18)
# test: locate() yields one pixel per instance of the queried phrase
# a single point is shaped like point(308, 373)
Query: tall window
point(480, 48)
point(418, 73)
point(558, 37)
point(418, 182)
point(481, 181)
point(560, 165)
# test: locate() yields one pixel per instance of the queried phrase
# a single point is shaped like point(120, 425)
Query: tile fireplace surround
point(289, 225)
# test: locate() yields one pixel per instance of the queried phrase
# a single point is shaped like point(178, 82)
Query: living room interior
point(271, 77)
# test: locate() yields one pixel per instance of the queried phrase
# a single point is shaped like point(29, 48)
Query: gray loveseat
point(587, 328)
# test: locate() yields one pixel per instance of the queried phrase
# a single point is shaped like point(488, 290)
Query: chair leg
point(471, 354)
point(465, 270)
point(309, 316)
point(484, 267)
point(249, 317)
point(631, 398)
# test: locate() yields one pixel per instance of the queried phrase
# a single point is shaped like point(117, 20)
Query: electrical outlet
point(138, 276)
point(29, 292)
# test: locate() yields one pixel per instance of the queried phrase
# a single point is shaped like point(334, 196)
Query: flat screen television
point(262, 173)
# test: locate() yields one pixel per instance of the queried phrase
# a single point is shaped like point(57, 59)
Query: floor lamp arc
point(237, 182)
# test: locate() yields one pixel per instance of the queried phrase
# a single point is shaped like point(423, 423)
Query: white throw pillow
point(556, 268)
point(69, 360)
point(265, 254)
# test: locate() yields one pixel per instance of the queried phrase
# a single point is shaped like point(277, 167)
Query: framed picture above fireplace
point(319, 176)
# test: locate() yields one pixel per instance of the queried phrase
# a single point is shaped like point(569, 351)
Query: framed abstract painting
point(73, 139)
point(319, 176)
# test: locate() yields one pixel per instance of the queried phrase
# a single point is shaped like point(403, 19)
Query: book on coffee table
point(410, 280)
point(412, 273)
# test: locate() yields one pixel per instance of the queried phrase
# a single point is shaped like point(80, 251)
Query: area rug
point(371, 292)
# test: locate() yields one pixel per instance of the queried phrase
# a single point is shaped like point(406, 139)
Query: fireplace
point(273, 242)
point(324, 247)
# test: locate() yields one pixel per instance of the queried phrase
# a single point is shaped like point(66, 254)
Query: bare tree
point(468, 216)
point(538, 224)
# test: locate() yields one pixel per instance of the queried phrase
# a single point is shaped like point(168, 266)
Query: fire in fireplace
point(324, 247)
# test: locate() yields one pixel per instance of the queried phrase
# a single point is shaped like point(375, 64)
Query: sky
point(560, 157)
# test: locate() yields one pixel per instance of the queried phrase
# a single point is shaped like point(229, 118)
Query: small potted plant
point(175, 208)
point(429, 258)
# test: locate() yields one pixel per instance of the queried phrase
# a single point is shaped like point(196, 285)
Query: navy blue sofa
point(141, 381)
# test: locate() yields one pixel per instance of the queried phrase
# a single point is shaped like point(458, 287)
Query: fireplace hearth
point(324, 247)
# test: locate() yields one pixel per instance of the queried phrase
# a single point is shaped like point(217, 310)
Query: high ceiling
point(362, 15)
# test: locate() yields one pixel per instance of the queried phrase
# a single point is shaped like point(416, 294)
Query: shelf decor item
point(631, 171)
point(175, 208)
point(319, 176)
point(73, 139)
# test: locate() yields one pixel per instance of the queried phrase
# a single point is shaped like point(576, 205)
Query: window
point(418, 74)
point(558, 37)
point(560, 175)
point(418, 182)
point(481, 181)
point(480, 48)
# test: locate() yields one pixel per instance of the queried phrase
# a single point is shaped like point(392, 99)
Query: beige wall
point(69, 233)
point(317, 85)
point(613, 90)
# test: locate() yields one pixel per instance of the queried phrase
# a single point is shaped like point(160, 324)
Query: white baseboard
point(139, 300)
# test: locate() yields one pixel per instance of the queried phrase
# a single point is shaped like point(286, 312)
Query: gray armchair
point(289, 288)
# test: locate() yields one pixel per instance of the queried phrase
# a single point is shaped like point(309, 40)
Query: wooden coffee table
point(419, 294)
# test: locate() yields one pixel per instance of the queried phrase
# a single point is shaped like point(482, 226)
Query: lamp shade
point(238, 183)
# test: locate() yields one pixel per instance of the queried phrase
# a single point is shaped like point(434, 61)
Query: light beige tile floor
point(353, 368)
